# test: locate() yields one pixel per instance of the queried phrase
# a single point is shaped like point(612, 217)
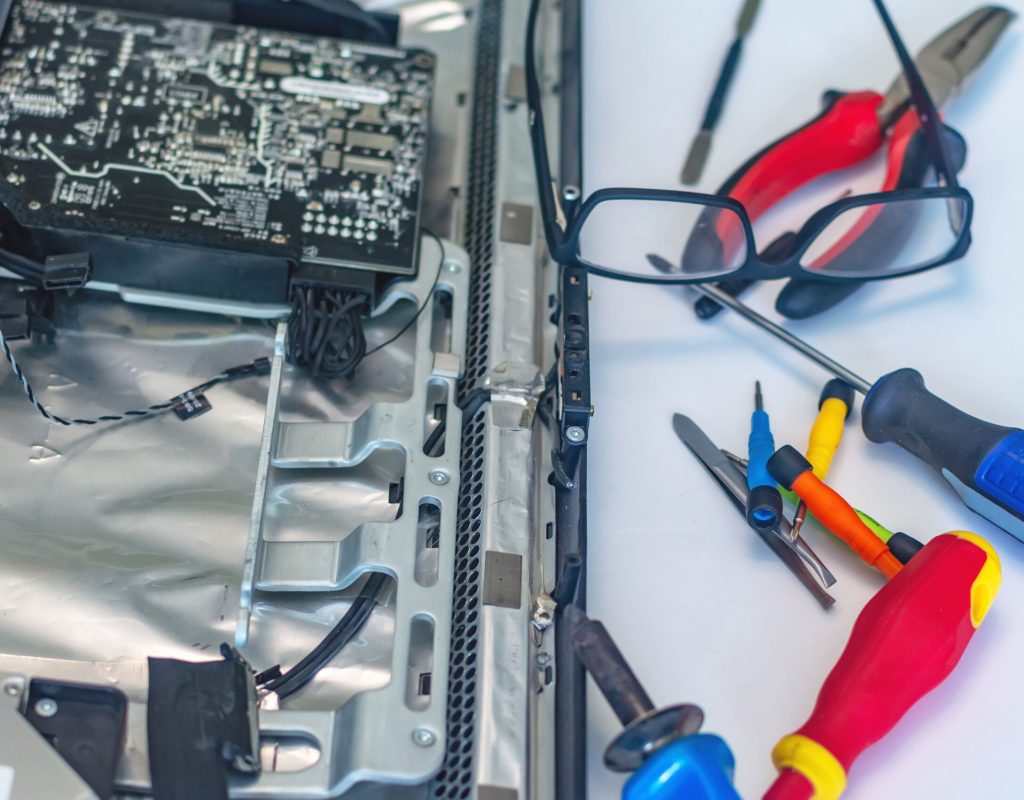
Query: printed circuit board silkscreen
point(304, 148)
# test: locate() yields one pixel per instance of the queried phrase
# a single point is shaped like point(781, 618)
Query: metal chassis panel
point(376, 736)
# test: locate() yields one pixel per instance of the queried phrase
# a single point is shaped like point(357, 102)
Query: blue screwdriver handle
point(760, 447)
point(983, 462)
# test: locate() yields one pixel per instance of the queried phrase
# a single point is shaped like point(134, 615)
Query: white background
point(697, 602)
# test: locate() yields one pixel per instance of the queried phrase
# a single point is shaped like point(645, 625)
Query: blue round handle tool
point(696, 767)
point(764, 503)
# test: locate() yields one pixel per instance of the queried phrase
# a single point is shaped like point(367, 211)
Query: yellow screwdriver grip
point(826, 433)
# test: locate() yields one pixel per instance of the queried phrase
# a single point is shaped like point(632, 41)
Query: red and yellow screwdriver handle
point(905, 642)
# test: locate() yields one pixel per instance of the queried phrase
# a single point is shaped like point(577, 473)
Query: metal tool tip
point(758, 399)
point(696, 158)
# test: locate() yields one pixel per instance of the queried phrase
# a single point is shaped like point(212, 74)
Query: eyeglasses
point(864, 237)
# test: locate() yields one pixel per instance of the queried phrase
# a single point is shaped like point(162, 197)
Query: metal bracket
point(574, 370)
point(30, 769)
point(378, 735)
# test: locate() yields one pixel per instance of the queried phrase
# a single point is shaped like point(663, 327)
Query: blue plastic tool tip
point(763, 516)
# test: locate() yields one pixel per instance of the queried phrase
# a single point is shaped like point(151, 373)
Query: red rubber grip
point(899, 139)
point(905, 642)
point(846, 134)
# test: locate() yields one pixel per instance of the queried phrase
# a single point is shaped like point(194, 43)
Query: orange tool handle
point(906, 641)
point(794, 472)
point(839, 517)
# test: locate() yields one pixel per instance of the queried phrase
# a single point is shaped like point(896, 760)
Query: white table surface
point(701, 607)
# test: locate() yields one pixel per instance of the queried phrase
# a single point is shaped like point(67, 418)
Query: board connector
point(70, 271)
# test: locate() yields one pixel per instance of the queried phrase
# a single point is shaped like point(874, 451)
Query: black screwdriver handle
point(983, 462)
point(899, 408)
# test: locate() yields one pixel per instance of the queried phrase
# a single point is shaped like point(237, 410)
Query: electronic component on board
point(210, 159)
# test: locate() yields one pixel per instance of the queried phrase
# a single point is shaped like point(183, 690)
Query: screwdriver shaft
point(782, 334)
point(798, 519)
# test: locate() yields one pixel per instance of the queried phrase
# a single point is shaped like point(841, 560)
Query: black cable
point(261, 366)
point(430, 445)
point(353, 12)
point(325, 330)
point(23, 267)
point(426, 301)
point(345, 631)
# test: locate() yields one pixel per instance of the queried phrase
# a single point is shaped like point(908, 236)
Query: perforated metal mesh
point(455, 780)
point(480, 200)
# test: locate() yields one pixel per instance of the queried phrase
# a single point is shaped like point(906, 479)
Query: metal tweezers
point(796, 555)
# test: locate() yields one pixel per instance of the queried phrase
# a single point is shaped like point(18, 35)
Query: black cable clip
point(260, 366)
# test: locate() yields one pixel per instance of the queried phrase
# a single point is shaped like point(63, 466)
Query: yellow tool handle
point(826, 433)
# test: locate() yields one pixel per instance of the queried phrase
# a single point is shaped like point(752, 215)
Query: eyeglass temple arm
point(927, 113)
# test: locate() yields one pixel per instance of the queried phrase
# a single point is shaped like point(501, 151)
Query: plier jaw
point(949, 59)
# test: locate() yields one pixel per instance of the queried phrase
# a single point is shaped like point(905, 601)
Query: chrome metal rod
point(781, 333)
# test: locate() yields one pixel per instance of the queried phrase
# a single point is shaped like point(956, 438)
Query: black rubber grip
point(787, 464)
point(779, 249)
point(904, 547)
point(899, 408)
point(838, 389)
point(706, 308)
point(764, 508)
point(717, 101)
point(802, 298)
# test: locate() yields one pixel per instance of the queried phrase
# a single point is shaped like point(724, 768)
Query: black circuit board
point(214, 134)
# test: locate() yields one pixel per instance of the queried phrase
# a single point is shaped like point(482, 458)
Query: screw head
point(544, 658)
point(424, 737)
point(453, 267)
point(439, 477)
point(12, 688)
point(571, 193)
point(46, 707)
point(575, 434)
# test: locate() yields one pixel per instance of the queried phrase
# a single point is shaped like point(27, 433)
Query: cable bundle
point(325, 332)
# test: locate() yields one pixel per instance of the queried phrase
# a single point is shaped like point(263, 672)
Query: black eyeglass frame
point(563, 223)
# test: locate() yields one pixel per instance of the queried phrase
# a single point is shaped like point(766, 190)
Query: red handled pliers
point(851, 128)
